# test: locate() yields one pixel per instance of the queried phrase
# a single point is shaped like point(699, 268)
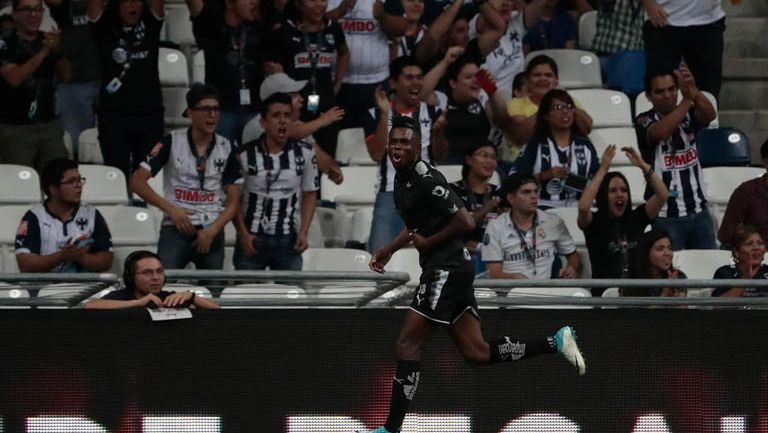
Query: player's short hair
point(276, 98)
point(407, 123)
point(54, 172)
point(400, 63)
point(542, 60)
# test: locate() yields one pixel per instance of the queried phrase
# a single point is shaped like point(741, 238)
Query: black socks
point(404, 386)
point(509, 349)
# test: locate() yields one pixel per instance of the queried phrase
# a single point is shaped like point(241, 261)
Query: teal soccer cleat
point(565, 340)
point(378, 430)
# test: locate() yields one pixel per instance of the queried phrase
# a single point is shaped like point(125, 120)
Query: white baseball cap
point(279, 82)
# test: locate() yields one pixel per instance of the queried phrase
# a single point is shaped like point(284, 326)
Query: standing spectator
point(652, 259)
point(559, 158)
point(280, 194)
point(308, 45)
point(507, 58)
point(76, 100)
point(542, 75)
point(30, 59)
point(748, 249)
point(619, 27)
point(367, 39)
point(480, 197)
point(526, 241)
point(554, 29)
point(232, 41)
point(130, 111)
point(61, 234)
point(203, 174)
point(666, 135)
point(406, 44)
point(615, 228)
point(689, 32)
point(748, 205)
point(408, 85)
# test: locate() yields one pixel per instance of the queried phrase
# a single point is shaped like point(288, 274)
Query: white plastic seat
point(104, 185)
point(700, 264)
point(175, 102)
point(178, 26)
point(351, 148)
point(172, 66)
point(333, 224)
point(88, 148)
point(315, 238)
point(68, 144)
point(21, 184)
point(406, 260)
point(10, 218)
point(722, 181)
point(578, 69)
point(642, 104)
point(569, 216)
point(11, 291)
point(358, 187)
point(335, 259)
point(198, 67)
point(611, 292)
point(622, 137)
point(130, 225)
point(361, 224)
point(636, 182)
point(587, 29)
point(608, 108)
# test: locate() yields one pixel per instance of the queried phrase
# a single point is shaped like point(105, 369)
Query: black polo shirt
point(76, 44)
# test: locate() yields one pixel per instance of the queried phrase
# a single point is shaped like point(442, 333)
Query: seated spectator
point(542, 77)
point(520, 85)
point(560, 159)
point(280, 185)
point(472, 106)
point(748, 205)
point(30, 62)
point(652, 259)
point(554, 29)
point(201, 185)
point(480, 197)
point(666, 136)
point(748, 249)
point(615, 228)
point(144, 279)
point(527, 242)
point(61, 234)
point(130, 110)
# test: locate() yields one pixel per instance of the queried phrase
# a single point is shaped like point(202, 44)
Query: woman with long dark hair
point(653, 260)
point(560, 158)
point(616, 227)
point(748, 249)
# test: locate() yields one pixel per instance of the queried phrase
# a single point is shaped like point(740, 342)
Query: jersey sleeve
point(310, 178)
point(232, 174)
point(643, 124)
point(564, 242)
point(491, 251)
point(440, 198)
point(158, 156)
point(28, 234)
point(102, 238)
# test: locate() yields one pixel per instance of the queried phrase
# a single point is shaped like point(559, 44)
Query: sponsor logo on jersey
point(684, 159)
point(358, 26)
point(194, 195)
point(324, 60)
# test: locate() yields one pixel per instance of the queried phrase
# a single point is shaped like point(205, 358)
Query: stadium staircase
point(744, 95)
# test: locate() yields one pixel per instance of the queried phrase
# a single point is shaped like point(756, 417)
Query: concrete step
point(747, 8)
point(754, 123)
point(746, 28)
point(740, 48)
point(744, 95)
point(745, 68)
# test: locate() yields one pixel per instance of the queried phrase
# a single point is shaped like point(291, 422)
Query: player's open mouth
point(396, 157)
point(282, 131)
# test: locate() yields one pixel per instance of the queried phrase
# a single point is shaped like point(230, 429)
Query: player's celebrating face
point(403, 147)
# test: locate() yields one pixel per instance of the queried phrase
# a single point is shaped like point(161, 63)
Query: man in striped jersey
point(280, 196)
point(406, 80)
point(666, 135)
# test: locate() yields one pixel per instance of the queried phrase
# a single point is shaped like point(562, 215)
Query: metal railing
point(52, 289)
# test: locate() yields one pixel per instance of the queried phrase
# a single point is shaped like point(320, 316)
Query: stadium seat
point(357, 189)
point(608, 108)
point(60, 292)
point(21, 184)
point(10, 217)
point(569, 216)
point(104, 185)
point(587, 29)
point(175, 102)
point(586, 263)
point(361, 225)
point(642, 104)
point(130, 225)
point(88, 149)
point(68, 145)
point(252, 130)
point(198, 67)
point(700, 264)
point(577, 69)
point(335, 259)
point(636, 182)
point(406, 260)
point(12, 291)
point(611, 292)
point(721, 181)
point(172, 66)
point(178, 26)
point(334, 224)
point(723, 147)
point(603, 137)
point(351, 148)
point(315, 238)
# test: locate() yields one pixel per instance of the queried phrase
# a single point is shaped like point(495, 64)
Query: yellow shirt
point(521, 107)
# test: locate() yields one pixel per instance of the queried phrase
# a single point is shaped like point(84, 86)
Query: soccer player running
point(436, 222)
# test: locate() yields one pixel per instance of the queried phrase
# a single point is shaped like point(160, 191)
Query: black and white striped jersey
point(677, 162)
point(273, 185)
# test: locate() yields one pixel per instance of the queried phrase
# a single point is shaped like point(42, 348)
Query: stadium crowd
point(471, 73)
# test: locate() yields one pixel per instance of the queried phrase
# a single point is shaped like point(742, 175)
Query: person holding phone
point(560, 159)
point(61, 234)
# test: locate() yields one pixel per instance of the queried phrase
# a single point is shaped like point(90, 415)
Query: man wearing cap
point(302, 131)
point(201, 172)
point(526, 242)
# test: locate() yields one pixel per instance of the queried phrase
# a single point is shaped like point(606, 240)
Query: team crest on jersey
point(23, 229)
point(330, 39)
point(644, 121)
point(81, 223)
point(541, 233)
point(475, 108)
point(156, 150)
point(219, 164)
